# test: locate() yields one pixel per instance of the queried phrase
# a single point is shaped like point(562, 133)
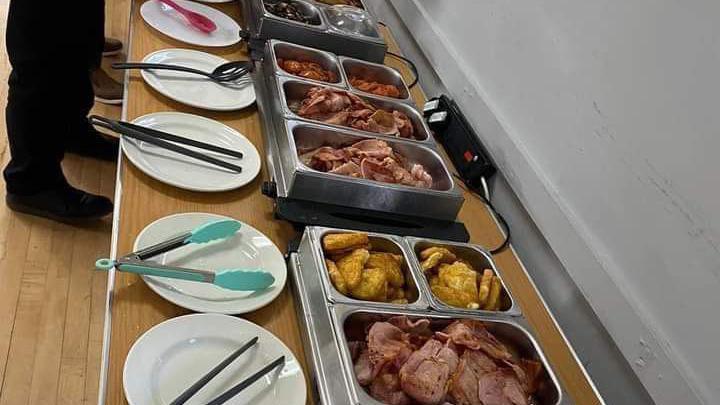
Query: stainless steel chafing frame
point(323, 321)
point(333, 295)
point(439, 305)
point(308, 184)
point(264, 25)
point(384, 103)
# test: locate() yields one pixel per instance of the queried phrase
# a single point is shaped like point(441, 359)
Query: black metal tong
point(168, 141)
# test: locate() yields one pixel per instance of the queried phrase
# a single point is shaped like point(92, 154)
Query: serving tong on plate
point(169, 141)
point(233, 391)
point(231, 279)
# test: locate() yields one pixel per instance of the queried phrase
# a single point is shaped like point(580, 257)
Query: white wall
point(609, 127)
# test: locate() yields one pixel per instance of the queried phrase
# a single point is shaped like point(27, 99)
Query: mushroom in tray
point(405, 361)
point(287, 9)
point(359, 272)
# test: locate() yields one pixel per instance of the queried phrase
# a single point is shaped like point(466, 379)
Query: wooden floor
point(51, 299)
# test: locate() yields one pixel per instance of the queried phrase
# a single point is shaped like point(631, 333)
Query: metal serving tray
point(375, 72)
point(263, 25)
point(380, 242)
point(505, 330)
point(443, 201)
point(292, 91)
point(323, 331)
point(478, 258)
point(286, 50)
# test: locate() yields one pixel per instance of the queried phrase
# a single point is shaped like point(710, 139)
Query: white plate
point(194, 90)
point(186, 172)
point(171, 356)
point(171, 23)
point(249, 248)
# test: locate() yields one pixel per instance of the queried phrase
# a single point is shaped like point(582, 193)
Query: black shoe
point(95, 145)
point(63, 204)
point(112, 47)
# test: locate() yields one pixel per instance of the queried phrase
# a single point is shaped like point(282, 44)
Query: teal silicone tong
point(231, 279)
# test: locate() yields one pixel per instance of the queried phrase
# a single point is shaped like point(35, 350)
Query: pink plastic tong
point(197, 20)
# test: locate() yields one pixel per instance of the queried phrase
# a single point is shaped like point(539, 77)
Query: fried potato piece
point(435, 255)
point(460, 277)
point(448, 256)
point(431, 262)
point(401, 301)
point(434, 280)
point(351, 267)
point(453, 297)
point(335, 243)
point(390, 263)
point(493, 302)
point(338, 280)
point(484, 290)
point(372, 287)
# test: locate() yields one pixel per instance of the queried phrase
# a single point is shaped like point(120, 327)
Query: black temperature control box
point(460, 141)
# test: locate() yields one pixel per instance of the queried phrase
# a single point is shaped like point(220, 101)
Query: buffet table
point(133, 308)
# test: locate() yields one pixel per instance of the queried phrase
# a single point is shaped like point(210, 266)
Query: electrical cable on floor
point(484, 196)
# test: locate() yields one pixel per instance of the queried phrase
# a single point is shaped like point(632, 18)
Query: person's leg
point(106, 89)
point(37, 123)
point(35, 133)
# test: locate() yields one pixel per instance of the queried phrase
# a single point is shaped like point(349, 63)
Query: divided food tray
point(325, 317)
point(320, 32)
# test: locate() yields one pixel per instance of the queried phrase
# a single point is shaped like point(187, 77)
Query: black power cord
point(410, 64)
point(488, 203)
point(407, 61)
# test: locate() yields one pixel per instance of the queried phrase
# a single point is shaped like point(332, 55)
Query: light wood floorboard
point(51, 299)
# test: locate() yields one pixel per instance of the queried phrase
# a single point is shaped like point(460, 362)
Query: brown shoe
point(112, 47)
point(107, 90)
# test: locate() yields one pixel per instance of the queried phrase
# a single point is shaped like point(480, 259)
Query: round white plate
point(171, 356)
point(173, 24)
point(194, 90)
point(249, 248)
point(184, 171)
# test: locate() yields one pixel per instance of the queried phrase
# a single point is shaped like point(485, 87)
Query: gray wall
point(601, 116)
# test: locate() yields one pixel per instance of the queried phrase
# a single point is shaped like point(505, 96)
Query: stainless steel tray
point(478, 257)
point(505, 330)
point(443, 201)
point(327, 353)
point(286, 50)
point(375, 72)
point(380, 242)
point(292, 91)
point(263, 25)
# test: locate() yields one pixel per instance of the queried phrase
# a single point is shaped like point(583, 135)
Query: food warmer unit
point(307, 196)
point(341, 29)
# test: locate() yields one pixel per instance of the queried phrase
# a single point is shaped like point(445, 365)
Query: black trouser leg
point(96, 32)
point(45, 106)
point(36, 145)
